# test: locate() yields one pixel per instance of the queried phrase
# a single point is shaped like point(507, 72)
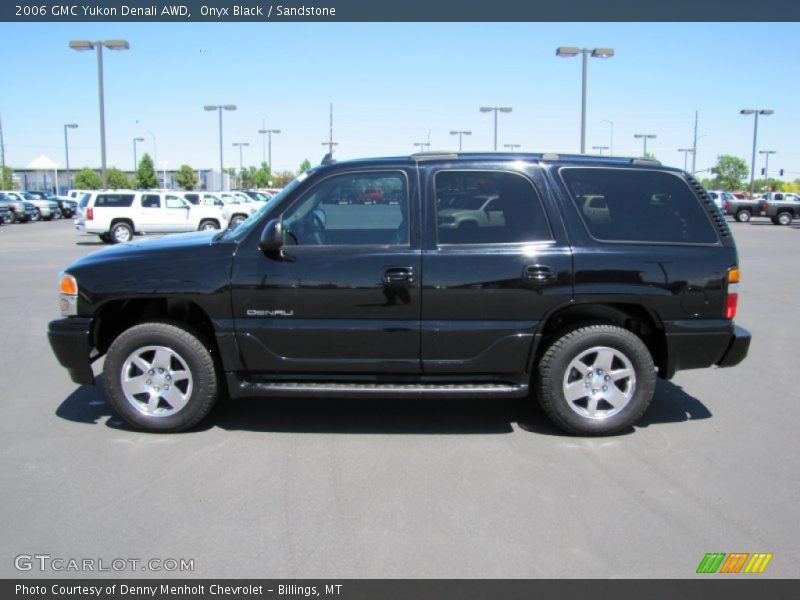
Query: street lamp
point(570, 51)
point(755, 111)
point(66, 152)
point(240, 146)
point(611, 145)
point(135, 162)
point(220, 108)
point(644, 137)
point(496, 109)
point(422, 145)
point(766, 165)
point(83, 46)
point(600, 148)
point(686, 152)
point(460, 135)
point(269, 133)
point(511, 147)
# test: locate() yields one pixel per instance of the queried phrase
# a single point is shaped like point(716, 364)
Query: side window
point(175, 202)
point(488, 207)
point(113, 200)
point(368, 208)
point(151, 201)
point(193, 198)
point(632, 205)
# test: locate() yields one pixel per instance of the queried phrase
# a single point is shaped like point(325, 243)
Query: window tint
point(175, 202)
point(113, 200)
point(193, 198)
point(638, 205)
point(351, 209)
point(488, 207)
point(151, 201)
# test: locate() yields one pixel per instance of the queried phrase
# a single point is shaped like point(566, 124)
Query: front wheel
point(596, 380)
point(160, 377)
point(37, 215)
point(743, 216)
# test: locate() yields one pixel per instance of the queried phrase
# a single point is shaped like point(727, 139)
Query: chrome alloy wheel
point(156, 381)
point(599, 383)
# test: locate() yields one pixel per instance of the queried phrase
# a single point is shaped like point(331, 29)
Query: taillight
point(89, 214)
point(724, 205)
point(764, 205)
point(732, 300)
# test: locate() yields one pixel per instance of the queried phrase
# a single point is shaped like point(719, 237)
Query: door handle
point(398, 275)
point(539, 273)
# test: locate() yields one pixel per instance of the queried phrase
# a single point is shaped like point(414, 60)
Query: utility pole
point(330, 143)
point(2, 153)
point(694, 147)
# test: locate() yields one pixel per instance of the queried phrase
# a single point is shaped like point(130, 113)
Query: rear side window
point(488, 207)
point(113, 200)
point(151, 201)
point(629, 205)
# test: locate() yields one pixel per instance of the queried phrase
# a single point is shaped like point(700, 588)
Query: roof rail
point(433, 155)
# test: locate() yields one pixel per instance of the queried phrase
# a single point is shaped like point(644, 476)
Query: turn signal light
point(733, 275)
point(68, 285)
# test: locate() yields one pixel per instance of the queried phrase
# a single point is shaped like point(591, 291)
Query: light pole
point(496, 109)
point(220, 108)
point(66, 152)
point(766, 154)
point(240, 145)
point(644, 137)
point(570, 51)
point(755, 111)
point(686, 152)
point(269, 133)
point(135, 162)
point(512, 147)
point(82, 46)
point(460, 135)
point(611, 145)
point(422, 145)
point(600, 148)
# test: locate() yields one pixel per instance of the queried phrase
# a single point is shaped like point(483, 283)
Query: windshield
point(247, 225)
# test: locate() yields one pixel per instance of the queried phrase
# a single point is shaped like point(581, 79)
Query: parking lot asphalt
point(417, 489)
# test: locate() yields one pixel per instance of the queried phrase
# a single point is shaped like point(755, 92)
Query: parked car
point(720, 196)
point(470, 210)
point(44, 209)
point(742, 209)
point(236, 210)
point(116, 216)
point(20, 210)
point(258, 196)
point(781, 207)
point(310, 298)
point(5, 210)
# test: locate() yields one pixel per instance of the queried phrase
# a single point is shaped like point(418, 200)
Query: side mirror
point(272, 236)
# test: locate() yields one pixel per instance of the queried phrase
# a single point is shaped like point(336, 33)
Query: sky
point(395, 84)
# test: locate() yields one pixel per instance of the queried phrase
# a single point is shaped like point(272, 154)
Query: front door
point(344, 294)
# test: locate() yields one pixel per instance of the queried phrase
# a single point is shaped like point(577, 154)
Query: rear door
point(488, 283)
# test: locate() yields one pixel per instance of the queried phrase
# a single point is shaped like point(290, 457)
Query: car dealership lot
point(445, 488)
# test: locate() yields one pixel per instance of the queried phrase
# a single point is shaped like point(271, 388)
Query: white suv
point(117, 215)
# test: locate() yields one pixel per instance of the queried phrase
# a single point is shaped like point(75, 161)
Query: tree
point(282, 178)
point(305, 166)
point(117, 179)
point(730, 172)
point(769, 185)
point(146, 174)
point(7, 179)
point(87, 179)
point(186, 177)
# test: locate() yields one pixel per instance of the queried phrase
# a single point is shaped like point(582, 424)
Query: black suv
point(585, 279)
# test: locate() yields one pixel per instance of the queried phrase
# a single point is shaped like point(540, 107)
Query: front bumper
point(70, 340)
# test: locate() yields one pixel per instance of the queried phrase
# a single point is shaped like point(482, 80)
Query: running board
point(286, 389)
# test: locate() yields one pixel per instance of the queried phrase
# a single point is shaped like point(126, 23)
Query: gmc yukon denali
point(590, 278)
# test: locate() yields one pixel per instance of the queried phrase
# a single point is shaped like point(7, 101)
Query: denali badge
point(255, 312)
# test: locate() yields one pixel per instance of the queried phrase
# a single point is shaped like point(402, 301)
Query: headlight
point(68, 295)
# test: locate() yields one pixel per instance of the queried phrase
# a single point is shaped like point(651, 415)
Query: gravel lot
point(357, 489)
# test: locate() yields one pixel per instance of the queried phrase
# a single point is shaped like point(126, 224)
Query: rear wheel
point(37, 215)
point(237, 220)
point(743, 216)
point(784, 218)
point(160, 377)
point(596, 380)
point(208, 225)
point(120, 233)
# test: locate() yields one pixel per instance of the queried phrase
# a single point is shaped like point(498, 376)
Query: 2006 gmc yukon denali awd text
point(590, 278)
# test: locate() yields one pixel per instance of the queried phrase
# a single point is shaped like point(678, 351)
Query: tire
point(236, 220)
point(120, 232)
point(11, 218)
point(784, 218)
point(743, 216)
point(588, 359)
point(208, 225)
point(183, 379)
point(59, 214)
point(37, 215)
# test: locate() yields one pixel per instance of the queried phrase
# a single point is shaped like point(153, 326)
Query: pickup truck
point(781, 207)
point(116, 216)
point(605, 274)
point(742, 209)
